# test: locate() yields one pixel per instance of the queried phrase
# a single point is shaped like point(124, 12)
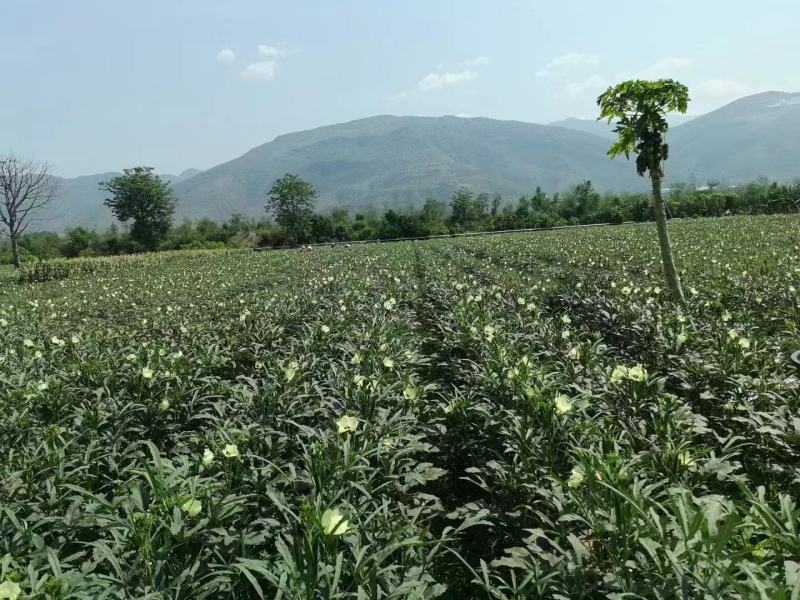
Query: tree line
point(465, 211)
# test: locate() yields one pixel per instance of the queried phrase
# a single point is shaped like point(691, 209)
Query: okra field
point(513, 416)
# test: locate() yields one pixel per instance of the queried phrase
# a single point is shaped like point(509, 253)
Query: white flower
point(356, 360)
point(147, 373)
point(566, 320)
point(208, 457)
point(230, 451)
point(346, 424)
point(290, 370)
point(563, 404)
point(3, 322)
point(388, 363)
point(389, 304)
point(576, 477)
point(333, 522)
point(163, 405)
point(192, 507)
point(28, 343)
point(9, 590)
point(637, 373)
point(744, 343)
point(325, 329)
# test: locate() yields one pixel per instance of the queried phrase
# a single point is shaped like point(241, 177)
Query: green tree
point(291, 202)
point(639, 108)
point(141, 196)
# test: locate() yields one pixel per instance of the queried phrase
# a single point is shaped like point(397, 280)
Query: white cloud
point(591, 84)
point(567, 61)
point(226, 56)
point(435, 81)
point(271, 51)
point(666, 67)
point(264, 70)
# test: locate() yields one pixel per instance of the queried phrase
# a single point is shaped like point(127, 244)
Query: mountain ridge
point(395, 161)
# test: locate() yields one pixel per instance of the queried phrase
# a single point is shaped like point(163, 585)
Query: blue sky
point(98, 85)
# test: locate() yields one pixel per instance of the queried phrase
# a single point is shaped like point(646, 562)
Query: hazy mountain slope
point(601, 128)
point(754, 136)
point(389, 161)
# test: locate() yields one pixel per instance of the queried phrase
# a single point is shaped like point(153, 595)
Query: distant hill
point(396, 161)
point(754, 136)
point(601, 128)
point(388, 161)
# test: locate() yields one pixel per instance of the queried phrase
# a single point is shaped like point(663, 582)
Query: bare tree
point(26, 186)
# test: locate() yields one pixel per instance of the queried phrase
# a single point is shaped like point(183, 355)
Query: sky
point(92, 86)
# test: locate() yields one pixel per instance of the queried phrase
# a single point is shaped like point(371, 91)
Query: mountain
point(605, 129)
point(388, 161)
point(187, 174)
point(601, 128)
point(395, 161)
point(751, 137)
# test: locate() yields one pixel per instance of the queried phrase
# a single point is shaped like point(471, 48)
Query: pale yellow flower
point(147, 373)
point(208, 457)
point(230, 451)
point(410, 392)
point(192, 507)
point(290, 370)
point(388, 363)
point(346, 424)
point(333, 522)
point(576, 477)
point(9, 590)
point(637, 373)
point(563, 404)
point(618, 374)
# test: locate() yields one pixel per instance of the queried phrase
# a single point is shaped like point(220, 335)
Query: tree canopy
point(143, 197)
point(640, 109)
point(291, 202)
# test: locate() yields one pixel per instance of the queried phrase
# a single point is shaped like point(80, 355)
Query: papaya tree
point(639, 108)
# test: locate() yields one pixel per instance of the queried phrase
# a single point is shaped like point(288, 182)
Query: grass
point(514, 416)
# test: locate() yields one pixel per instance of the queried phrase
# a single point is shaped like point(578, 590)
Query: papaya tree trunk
point(670, 272)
